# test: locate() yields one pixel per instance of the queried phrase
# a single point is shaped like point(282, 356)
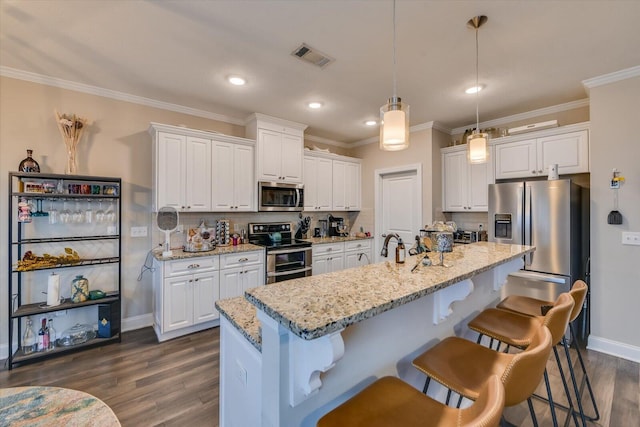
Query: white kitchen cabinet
point(346, 186)
point(531, 157)
point(183, 172)
point(318, 178)
point(239, 272)
point(465, 185)
point(357, 253)
point(185, 292)
point(279, 148)
point(233, 183)
point(327, 257)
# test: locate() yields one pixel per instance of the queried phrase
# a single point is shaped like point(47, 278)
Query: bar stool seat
point(390, 402)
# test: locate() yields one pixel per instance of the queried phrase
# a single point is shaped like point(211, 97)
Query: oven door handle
point(288, 272)
point(288, 251)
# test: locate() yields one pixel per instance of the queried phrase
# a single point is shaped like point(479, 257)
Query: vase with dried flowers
point(71, 128)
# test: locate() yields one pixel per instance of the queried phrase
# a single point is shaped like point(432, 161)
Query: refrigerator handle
point(528, 259)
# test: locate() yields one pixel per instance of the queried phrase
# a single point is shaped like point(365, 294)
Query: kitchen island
point(321, 339)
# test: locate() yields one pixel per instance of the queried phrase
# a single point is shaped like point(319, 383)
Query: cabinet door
point(324, 178)
point(178, 303)
point(454, 181)
point(292, 146)
point(478, 187)
point(243, 178)
point(310, 183)
point(170, 171)
point(339, 188)
point(336, 263)
point(320, 265)
point(206, 291)
point(570, 151)
point(223, 174)
point(352, 184)
point(269, 155)
point(252, 277)
point(231, 283)
point(198, 174)
point(516, 159)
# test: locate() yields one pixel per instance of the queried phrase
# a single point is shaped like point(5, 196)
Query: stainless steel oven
point(286, 257)
point(280, 197)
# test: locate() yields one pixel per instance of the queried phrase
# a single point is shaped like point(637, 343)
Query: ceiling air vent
point(312, 56)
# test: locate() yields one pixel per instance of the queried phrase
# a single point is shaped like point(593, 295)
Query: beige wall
point(615, 280)
point(116, 143)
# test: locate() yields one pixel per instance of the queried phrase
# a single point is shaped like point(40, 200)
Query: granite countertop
point(219, 250)
point(315, 306)
point(335, 239)
point(242, 314)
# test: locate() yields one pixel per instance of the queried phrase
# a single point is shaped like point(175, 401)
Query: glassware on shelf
point(29, 338)
point(24, 211)
point(52, 335)
point(65, 214)
point(39, 212)
point(53, 213)
point(110, 216)
point(28, 164)
point(77, 216)
point(100, 213)
point(88, 213)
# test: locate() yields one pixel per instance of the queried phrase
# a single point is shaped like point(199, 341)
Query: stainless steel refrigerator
point(547, 215)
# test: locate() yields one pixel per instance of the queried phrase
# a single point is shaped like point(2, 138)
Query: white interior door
point(398, 206)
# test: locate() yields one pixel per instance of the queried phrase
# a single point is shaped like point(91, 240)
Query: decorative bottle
point(29, 338)
point(400, 252)
point(28, 164)
point(52, 335)
point(43, 336)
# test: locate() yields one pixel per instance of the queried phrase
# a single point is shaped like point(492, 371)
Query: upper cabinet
point(530, 155)
point(346, 185)
point(318, 178)
point(199, 171)
point(331, 182)
point(279, 148)
point(465, 185)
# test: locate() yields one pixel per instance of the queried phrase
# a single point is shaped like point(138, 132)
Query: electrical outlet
point(180, 228)
point(630, 238)
point(241, 373)
point(138, 231)
point(61, 313)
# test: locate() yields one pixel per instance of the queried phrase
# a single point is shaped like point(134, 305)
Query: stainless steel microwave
point(280, 197)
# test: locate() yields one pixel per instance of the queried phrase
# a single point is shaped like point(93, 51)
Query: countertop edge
point(257, 343)
point(220, 250)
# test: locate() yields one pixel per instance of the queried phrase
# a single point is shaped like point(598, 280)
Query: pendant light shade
point(477, 142)
point(394, 115)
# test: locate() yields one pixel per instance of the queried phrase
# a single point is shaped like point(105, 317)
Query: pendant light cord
point(394, 49)
point(477, 87)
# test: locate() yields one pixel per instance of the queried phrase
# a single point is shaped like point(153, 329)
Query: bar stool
point(463, 366)
point(533, 307)
point(391, 402)
point(518, 330)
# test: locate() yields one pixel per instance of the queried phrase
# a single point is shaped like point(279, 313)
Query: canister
point(79, 289)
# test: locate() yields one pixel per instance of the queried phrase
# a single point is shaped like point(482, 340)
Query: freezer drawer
point(536, 285)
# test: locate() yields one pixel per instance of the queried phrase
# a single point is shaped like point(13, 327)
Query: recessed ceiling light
point(474, 89)
point(371, 123)
point(315, 105)
point(236, 80)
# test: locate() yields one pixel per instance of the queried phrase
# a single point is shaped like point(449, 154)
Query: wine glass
point(65, 214)
point(100, 213)
point(53, 213)
point(110, 216)
point(77, 216)
point(88, 213)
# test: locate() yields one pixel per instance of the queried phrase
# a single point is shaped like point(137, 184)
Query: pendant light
point(477, 142)
point(394, 115)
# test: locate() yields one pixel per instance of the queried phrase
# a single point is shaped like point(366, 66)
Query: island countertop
point(315, 306)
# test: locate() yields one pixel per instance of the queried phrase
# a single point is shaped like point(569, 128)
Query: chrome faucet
point(385, 250)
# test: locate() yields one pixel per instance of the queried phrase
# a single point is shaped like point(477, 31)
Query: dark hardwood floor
point(175, 383)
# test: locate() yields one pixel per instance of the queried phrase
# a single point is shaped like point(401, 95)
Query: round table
point(53, 406)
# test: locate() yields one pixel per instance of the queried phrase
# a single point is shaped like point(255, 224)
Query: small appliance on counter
point(337, 227)
point(466, 237)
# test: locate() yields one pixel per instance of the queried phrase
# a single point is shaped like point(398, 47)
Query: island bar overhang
point(324, 338)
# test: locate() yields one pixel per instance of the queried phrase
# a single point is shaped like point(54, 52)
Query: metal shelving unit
point(43, 188)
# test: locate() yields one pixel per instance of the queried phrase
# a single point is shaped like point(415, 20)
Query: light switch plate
point(138, 231)
point(630, 238)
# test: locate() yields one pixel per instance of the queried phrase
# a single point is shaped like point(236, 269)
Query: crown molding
point(616, 76)
point(113, 94)
point(526, 115)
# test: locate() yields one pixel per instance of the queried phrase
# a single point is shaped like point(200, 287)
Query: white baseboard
point(614, 348)
point(137, 322)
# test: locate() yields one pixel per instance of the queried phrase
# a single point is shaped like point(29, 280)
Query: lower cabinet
point(330, 257)
point(357, 253)
point(239, 272)
point(186, 290)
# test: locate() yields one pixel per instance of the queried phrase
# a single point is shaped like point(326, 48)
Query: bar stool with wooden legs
point(517, 330)
point(390, 402)
point(534, 307)
point(463, 366)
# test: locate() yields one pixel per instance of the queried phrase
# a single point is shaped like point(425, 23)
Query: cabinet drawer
point(241, 259)
point(191, 265)
point(357, 245)
point(327, 248)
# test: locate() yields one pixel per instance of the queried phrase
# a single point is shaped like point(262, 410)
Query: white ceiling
point(533, 54)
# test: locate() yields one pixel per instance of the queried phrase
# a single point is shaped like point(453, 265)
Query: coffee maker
point(336, 226)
